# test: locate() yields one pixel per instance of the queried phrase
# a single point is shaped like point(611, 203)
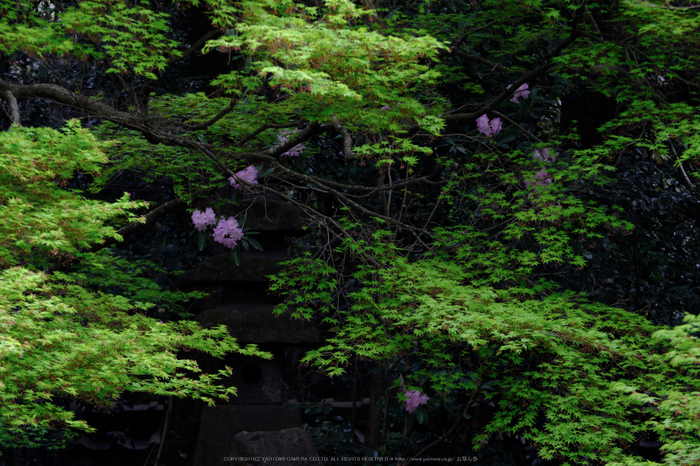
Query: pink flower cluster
point(202, 220)
point(415, 399)
point(228, 233)
point(540, 181)
point(487, 127)
point(520, 93)
point(542, 178)
point(249, 175)
point(544, 155)
point(284, 136)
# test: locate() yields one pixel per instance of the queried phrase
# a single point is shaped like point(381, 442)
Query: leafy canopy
point(440, 236)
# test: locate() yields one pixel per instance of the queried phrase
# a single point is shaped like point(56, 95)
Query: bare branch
point(5, 114)
point(668, 5)
point(150, 218)
point(14, 107)
point(515, 123)
point(347, 139)
point(218, 117)
point(313, 180)
point(265, 127)
point(493, 65)
point(542, 69)
point(590, 17)
point(311, 211)
point(472, 31)
point(302, 136)
point(64, 96)
point(197, 45)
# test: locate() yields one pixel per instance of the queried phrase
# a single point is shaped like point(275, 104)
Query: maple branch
point(197, 45)
point(6, 115)
point(64, 96)
point(14, 107)
point(302, 136)
point(542, 69)
point(515, 123)
point(149, 219)
point(213, 120)
point(265, 127)
point(347, 139)
point(469, 56)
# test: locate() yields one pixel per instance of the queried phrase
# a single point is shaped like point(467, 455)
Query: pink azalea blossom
point(202, 220)
point(415, 399)
point(540, 181)
point(520, 93)
point(544, 155)
point(482, 124)
point(284, 136)
point(496, 126)
point(487, 127)
point(228, 233)
point(248, 175)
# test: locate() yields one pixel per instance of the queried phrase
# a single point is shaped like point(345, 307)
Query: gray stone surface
point(221, 423)
point(294, 445)
point(255, 323)
point(259, 381)
point(215, 297)
point(255, 266)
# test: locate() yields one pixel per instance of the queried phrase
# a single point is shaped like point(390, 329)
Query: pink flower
point(284, 136)
point(488, 128)
point(544, 155)
point(202, 220)
point(482, 124)
point(496, 126)
point(415, 399)
point(228, 227)
point(520, 93)
point(248, 175)
point(540, 181)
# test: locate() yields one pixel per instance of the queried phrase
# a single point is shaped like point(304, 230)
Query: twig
point(347, 139)
point(165, 429)
point(218, 117)
point(150, 218)
point(472, 31)
point(469, 56)
point(464, 412)
point(686, 181)
point(267, 126)
point(542, 69)
point(193, 48)
point(590, 16)
point(512, 122)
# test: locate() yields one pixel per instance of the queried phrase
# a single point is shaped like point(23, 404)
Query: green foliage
point(438, 252)
point(551, 363)
point(65, 335)
point(132, 39)
point(40, 218)
point(678, 405)
point(304, 48)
